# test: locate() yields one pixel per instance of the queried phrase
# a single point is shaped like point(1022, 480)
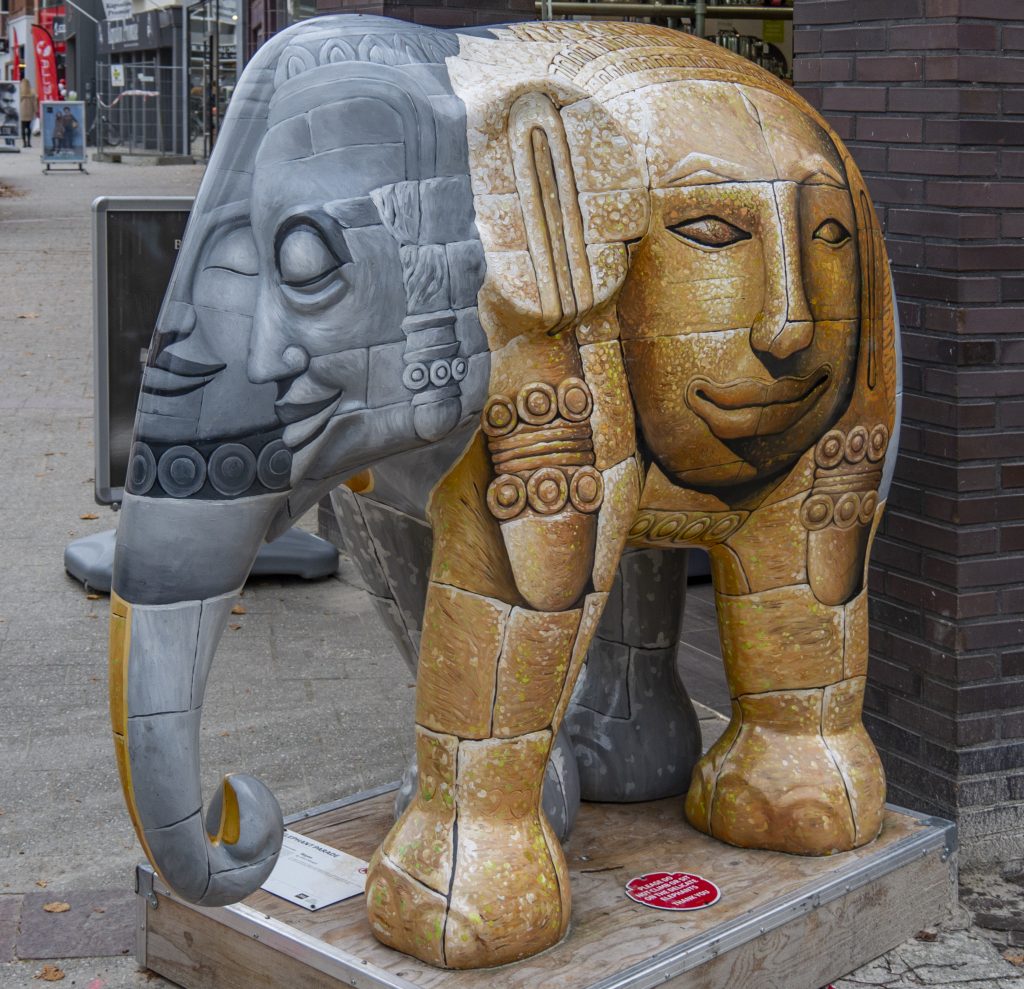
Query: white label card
point(313, 875)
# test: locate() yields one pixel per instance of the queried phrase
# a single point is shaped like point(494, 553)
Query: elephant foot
point(794, 772)
point(478, 879)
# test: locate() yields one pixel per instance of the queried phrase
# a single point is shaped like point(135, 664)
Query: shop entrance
point(213, 33)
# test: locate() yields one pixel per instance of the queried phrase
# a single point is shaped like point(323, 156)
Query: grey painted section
point(892, 454)
point(651, 753)
point(403, 546)
point(164, 753)
point(162, 657)
point(653, 593)
point(211, 628)
point(635, 733)
point(561, 798)
point(170, 550)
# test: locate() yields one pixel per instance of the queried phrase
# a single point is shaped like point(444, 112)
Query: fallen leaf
point(224, 734)
point(1014, 956)
point(41, 883)
point(89, 516)
point(58, 906)
point(234, 626)
point(92, 597)
point(99, 909)
point(32, 315)
point(238, 609)
point(50, 973)
point(926, 936)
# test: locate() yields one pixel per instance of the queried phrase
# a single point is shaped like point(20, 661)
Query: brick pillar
point(929, 95)
point(438, 13)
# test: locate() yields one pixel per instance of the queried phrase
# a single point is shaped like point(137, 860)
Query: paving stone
point(10, 911)
point(100, 924)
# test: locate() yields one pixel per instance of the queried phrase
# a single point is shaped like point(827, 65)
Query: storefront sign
point(313, 875)
point(46, 65)
point(673, 891)
point(117, 10)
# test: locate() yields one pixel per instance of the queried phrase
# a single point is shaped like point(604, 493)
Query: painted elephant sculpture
point(559, 290)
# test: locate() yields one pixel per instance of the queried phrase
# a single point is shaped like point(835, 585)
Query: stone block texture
point(929, 95)
point(437, 13)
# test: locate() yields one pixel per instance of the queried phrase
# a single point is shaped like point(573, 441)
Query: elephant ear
point(558, 190)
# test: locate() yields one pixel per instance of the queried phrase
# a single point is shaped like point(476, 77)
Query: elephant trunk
point(174, 587)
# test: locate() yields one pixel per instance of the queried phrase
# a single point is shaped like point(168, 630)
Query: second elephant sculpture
point(561, 289)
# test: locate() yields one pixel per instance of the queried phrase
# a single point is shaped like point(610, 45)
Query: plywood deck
point(782, 920)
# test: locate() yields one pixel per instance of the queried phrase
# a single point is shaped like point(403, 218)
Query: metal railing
point(139, 109)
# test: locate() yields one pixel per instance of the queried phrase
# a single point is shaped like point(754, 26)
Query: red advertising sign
point(52, 19)
point(46, 64)
point(673, 891)
point(16, 61)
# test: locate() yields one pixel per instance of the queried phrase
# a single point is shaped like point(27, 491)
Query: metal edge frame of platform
point(937, 835)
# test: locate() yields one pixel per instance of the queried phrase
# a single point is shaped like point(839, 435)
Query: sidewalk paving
point(297, 690)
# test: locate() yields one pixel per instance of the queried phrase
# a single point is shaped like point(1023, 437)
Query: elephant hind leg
point(633, 728)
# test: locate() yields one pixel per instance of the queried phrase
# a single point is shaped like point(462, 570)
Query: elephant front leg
point(472, 875)
point(795, 771)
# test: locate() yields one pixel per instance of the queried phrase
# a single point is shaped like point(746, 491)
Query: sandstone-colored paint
point(468, 549)
point(551, 556)
point(855, 755)
point(782, 639)
point(404, 914)
point(779, 788)
point(600, 325)
point(462, 637)
point(614, 217)
point(593, 606)
point(608, 267)
point(855, 647)
point(835, 562)
point(506, 902)
point(500, 222)
point(602, 157)
point(612, 419)
point(621, 491)
point(421, 841)
point(532, 670)
point(727, 571)
point(701, 795)
point(769, 545)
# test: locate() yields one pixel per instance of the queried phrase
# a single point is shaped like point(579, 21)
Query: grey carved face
point(346, 262)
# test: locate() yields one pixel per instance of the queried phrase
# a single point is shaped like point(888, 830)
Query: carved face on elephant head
point(740, 315)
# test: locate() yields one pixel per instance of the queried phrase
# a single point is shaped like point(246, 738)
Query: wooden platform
point(783, 921)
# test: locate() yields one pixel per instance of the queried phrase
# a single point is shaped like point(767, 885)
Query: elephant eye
point(832, 232)
point(709, 231)
point(304, 259)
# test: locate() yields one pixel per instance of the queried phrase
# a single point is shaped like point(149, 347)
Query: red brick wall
point(929, 95)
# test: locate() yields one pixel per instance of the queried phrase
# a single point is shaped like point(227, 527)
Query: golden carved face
point(740, 313)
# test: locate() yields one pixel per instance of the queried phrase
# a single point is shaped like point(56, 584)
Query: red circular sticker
point(673, 891)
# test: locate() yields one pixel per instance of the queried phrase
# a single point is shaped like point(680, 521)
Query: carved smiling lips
point(750, 407)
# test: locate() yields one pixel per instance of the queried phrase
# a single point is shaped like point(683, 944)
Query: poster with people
point(63, 131)
point(10, 124)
